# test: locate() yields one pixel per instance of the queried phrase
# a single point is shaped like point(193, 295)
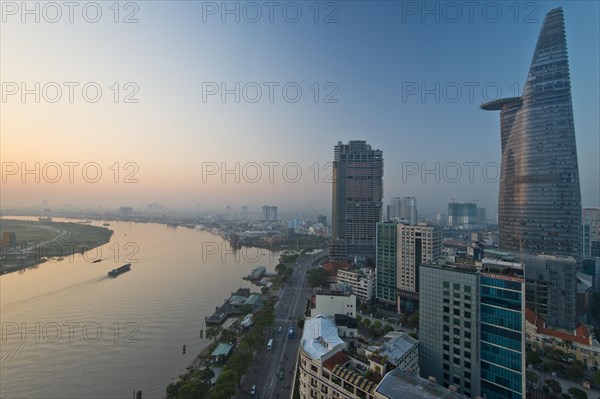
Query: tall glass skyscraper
point(539, 204)
point(357, 197)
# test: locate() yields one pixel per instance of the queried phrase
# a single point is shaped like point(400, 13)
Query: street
point(282, 357)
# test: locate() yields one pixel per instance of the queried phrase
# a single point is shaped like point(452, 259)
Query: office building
point(386, 262)
point(415, 245)
point(539, 202)
point(472, 327)
point(126, 212)
point(357, 197)
point(551, 289)
point(448, 345)
point(401, 249)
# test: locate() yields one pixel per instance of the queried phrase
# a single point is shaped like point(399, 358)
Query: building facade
point(416, 244)
point(539, 202)
point(331, 302)
point(361, 280)
point(357, 196)
point(386, 262)
point(472, 321)
point(448, 326)
point(551, 289)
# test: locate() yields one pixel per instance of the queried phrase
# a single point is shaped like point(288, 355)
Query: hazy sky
point(198, 92)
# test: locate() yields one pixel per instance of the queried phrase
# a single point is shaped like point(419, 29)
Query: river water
point(70, 331)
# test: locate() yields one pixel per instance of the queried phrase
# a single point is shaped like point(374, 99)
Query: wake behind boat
point(122, 269)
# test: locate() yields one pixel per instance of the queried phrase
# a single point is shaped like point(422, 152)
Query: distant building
point(244, 212)
point(481, 217)
point(126, 212)
point(322, 219)
point(357, 197)
point(269, 213)
point(9, 240)
point(361, 280)
point(462, 215)
point(386, 262)
point(403, 209)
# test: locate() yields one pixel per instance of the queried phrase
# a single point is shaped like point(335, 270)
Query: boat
point(97, 260)
point(105, 224)
point(119, 270)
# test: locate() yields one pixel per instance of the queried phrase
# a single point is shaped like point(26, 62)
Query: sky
point(207, 104)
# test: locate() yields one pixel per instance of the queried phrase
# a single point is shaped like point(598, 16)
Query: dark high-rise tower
point(539, 205)
point(357, 198)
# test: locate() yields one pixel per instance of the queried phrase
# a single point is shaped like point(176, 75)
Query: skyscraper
point(539, 204)
point(357, 197)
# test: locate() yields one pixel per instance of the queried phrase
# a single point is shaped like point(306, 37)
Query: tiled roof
point(581, 334)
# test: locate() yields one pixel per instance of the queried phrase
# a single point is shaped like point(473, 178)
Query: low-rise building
point(327, 371)
point(329, 302)
point(580, 344)
point(361, 280)
point(399, 349)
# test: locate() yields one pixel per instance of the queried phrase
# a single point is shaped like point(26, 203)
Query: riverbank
point(38, 242)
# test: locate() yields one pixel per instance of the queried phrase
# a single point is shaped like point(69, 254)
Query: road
point(290, 306)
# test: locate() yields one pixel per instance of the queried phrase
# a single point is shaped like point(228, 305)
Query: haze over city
point(409, 82)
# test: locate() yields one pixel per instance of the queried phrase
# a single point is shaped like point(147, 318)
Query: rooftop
point(580, 336)
point(401, 384)
point(222, 349)
point(320, 337)
point(396, 345)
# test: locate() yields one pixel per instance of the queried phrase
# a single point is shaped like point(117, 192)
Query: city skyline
point(378, 89)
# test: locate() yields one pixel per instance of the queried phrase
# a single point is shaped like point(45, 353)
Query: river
point(70, 331)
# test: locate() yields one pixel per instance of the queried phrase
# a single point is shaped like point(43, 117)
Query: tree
point(596, 377)
point(554, 386)
point(318, 277)
point(532, 377)
point(577, 393)
point(413, 320)
point(280, 268)
point(213, 333)
point(533, 357)
point(377, 324)
point(206, 374)
point(575, 371)
point(366, 322)
point(358, 318)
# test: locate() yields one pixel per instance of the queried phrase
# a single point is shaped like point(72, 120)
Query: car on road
point(280, 329)
point(253, 390)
